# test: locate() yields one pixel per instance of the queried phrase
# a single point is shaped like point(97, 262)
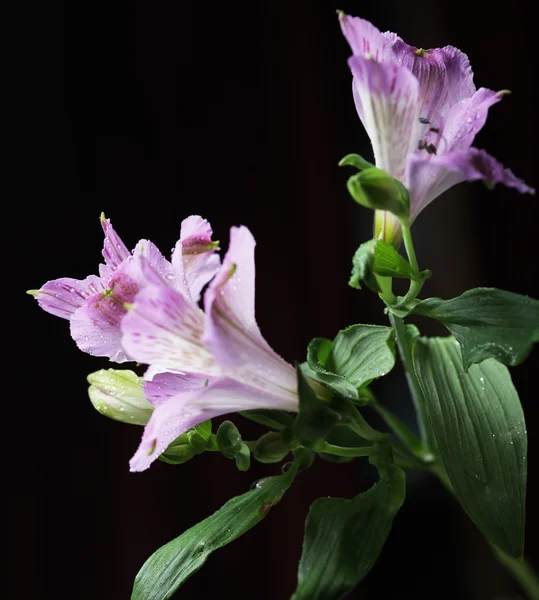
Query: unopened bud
point(374, 188)
point(119, 395)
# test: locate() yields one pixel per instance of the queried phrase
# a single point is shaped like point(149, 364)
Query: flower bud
point(374, 188)
point(119, 395)
point(273, 446)
point(179, 451)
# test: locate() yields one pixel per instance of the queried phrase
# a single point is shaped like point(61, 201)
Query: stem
point(400, 429)
point(425, 431)
point(521, 571)
point(328, 448)
point(408, 244)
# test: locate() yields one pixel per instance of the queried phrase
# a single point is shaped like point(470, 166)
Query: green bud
point(374, 188)
point(243, 458)
point(198, 443)
point(273, 446)
point(118, 394)
point(228, 439)
point(179, 451)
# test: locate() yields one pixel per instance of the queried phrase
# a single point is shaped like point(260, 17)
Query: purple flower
point(422, 112)
point(204, 364)
point(96, 305)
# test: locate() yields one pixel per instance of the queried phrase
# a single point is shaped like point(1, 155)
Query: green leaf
point(355, 160)
point(481, 432)
point(319, 359)
point(170, 567)
point(343, 538)
point(389, 263)
point(375, 257)
point(362, 353)
point(363, 267)
point(358, 355)
point(376, 189)
point(488, 323)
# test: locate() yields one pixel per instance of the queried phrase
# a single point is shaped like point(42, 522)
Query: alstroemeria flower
point(422, 112)
point(204, 363)
point(95, 306)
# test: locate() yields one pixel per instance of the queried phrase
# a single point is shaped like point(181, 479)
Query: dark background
point(152, 111)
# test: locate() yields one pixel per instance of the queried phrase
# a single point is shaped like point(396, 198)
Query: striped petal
point(386, 97)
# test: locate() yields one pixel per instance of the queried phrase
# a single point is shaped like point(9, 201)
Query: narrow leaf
point(481, 432)
point(488, 323)
point(343, 538)
point(168, 568)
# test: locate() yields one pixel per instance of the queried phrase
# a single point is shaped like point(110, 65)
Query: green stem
point(521, 570)
point(400, 429)
point(408, 244)
point(425, 431)
point(327, 448)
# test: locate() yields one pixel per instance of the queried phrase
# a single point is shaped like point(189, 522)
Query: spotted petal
point(62, 297)
point(431, 177)
point(164, 386)
point(114, 250)
point(185, 410)
point(165, 328)
point(386, 97)
point(366, 40)
point(95, 327)
point(194, 257)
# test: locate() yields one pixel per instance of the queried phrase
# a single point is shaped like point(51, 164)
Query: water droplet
point(256, 485)
point(286, 467)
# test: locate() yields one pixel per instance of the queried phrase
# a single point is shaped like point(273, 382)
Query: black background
point(152, 111)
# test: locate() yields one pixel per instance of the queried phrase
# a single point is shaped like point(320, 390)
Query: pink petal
point(185, 410)
point(62, 297)
point(114, 250)
point(386, 97)
point(465, 119)
point(164, 386)
point(366, 40)
point(165, 328)
point(194, 258)
point(231, 331)
point(95, 327)
point(444, 74)
point(431, 177)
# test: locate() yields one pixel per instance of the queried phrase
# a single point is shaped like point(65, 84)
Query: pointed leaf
point(488, 323)
point(358, 355)
point(170, 567)
point(362, 353)
point(363, 267)
point(481, 432)
point(343, 538)
point(389, 263)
